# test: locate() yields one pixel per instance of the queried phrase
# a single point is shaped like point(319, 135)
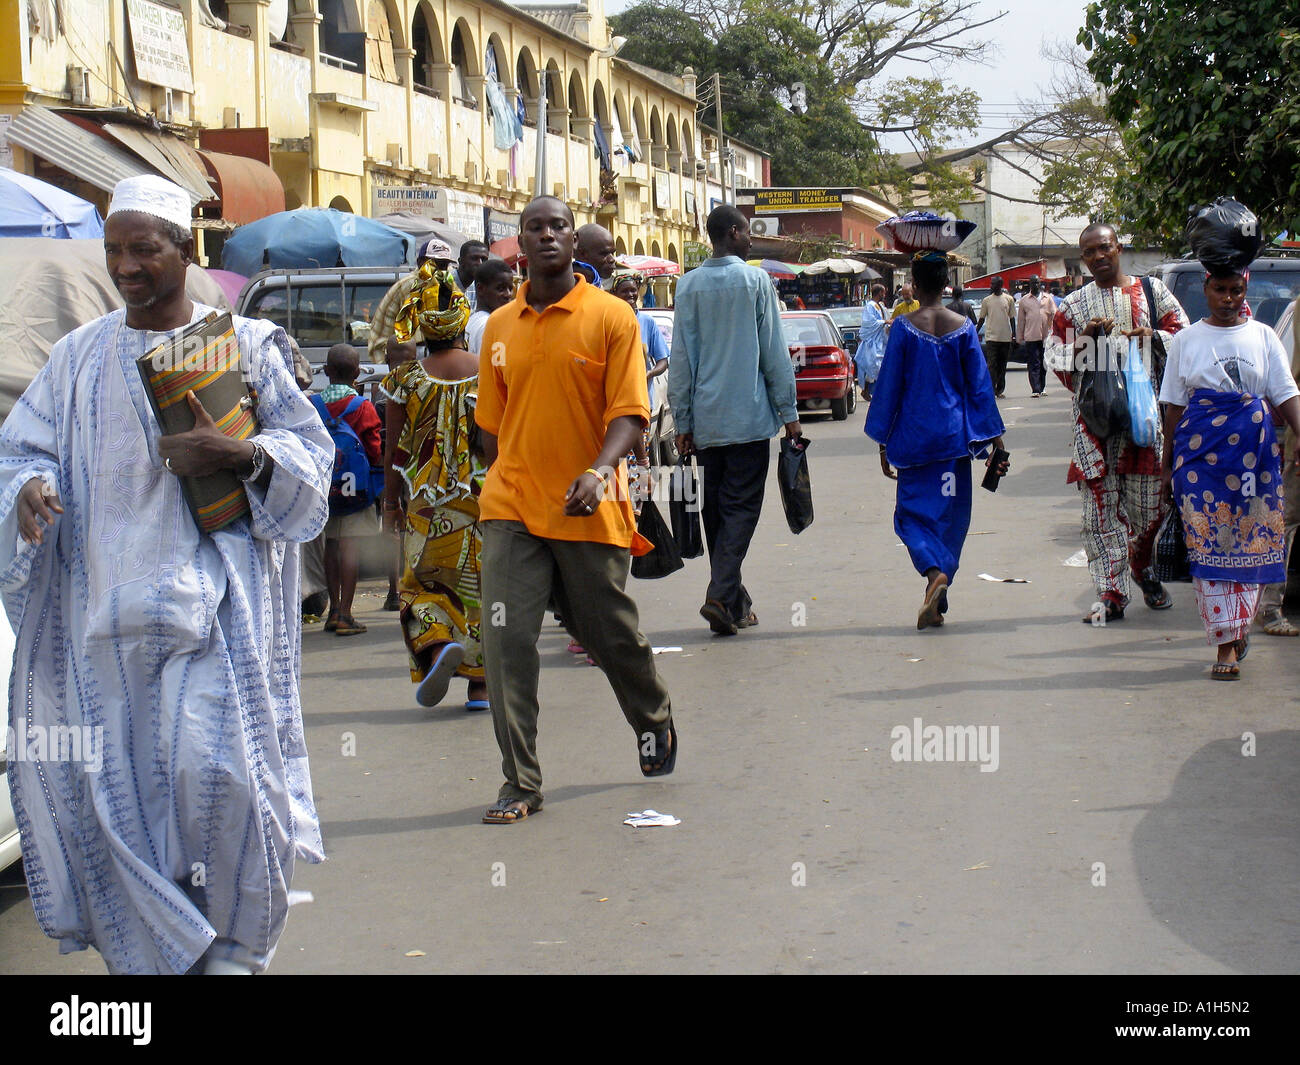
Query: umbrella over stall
point(314, 237)
point(30, 207)
point(779, 270)
point(422, 228)
point(650, 265)
point(849, 267)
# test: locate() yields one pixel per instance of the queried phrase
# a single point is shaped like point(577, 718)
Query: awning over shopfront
point(1043, 269)
point(169, 156)
point(81, 153)
point(248, 189)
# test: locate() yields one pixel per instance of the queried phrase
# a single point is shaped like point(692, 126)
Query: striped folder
point(204, 358)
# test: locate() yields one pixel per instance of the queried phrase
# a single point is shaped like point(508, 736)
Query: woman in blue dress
point(932, 411)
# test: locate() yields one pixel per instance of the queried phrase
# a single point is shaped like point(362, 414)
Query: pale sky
point(1018, 72)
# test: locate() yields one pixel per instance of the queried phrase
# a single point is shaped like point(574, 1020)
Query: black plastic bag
point(664, 559)
point(1170, 561)
point(1225, 235)
point(684, 509)
point(1103, 397)
point(796, 488)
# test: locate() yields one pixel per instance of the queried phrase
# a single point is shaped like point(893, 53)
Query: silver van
point(322, 307)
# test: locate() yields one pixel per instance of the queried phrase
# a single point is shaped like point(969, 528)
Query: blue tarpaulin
point(33, 208)
point(314, 237)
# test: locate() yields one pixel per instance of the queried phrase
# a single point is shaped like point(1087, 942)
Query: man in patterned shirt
point(1120, 482)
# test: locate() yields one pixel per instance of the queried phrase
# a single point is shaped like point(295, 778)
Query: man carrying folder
point(178, 648)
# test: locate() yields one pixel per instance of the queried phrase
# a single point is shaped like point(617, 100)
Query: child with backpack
point(356, 485)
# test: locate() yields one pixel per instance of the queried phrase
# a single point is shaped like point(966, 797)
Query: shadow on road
point(1219, 859)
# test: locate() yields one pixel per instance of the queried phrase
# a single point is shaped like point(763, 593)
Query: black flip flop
point(670, 763)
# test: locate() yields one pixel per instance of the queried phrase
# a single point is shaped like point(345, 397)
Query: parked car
point(10, 851)
point(848, 320)
point(663, 429)
point(321, 308)
point(1285, 329)
point(1274, 285)
point(823, 370)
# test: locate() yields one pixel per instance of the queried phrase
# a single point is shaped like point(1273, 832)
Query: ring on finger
point(168, 464)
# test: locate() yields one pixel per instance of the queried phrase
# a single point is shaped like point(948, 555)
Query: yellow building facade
point(363, 96)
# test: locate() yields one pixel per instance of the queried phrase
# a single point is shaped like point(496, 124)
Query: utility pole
point(722, 139)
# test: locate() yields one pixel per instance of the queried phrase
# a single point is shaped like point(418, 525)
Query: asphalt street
point(1126, 826)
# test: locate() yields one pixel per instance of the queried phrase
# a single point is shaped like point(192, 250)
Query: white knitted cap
point(153, 195)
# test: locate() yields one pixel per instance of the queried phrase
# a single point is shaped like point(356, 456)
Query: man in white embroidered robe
point(182, 646)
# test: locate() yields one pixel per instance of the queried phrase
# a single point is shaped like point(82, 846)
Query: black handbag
point(1170, 561)
point(796, 487)
point(664, 559)
point(684, 509)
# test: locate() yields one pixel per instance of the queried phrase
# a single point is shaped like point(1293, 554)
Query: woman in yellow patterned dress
point(431, 463)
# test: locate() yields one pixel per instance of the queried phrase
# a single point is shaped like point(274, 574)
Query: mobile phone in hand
point(992, 477)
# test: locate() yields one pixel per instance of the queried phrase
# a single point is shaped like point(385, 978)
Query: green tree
point(837, 50)
point(1209, 97)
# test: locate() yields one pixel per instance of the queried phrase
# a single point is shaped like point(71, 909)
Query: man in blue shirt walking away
point(731, 388)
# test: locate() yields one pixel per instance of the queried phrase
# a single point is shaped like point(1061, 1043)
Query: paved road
point(804, 846)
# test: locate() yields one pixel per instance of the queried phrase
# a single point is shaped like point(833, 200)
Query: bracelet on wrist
point(598, 475)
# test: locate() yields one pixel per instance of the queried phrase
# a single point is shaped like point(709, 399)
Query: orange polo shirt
point(549, 385)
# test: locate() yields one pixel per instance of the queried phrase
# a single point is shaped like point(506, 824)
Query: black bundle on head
point(1224, 236)
point(930, 272)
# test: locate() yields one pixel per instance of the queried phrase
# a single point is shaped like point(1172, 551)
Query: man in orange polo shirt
point(562, 399)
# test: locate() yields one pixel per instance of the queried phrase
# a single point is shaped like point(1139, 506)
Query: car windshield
point(846, 315)
point(806, 331)
point(1269, 292)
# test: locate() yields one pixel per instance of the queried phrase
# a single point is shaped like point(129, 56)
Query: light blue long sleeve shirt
point(730, 378)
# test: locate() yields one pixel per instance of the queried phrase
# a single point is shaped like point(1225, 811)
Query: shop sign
point(162, 54)
point(501, 225)
point(663, 190)
point(792, 201)
point(694, 253)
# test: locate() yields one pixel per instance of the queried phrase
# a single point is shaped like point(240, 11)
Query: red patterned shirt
point(1128, 308)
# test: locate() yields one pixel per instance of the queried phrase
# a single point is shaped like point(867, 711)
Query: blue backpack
point(355, 484)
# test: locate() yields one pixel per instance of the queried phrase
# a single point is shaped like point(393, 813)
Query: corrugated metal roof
point(79, 152)
point(170, 156)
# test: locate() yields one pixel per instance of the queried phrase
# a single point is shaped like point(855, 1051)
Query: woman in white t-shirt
point(1224, 462)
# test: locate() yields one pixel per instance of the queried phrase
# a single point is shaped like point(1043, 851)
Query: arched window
point(426, 40)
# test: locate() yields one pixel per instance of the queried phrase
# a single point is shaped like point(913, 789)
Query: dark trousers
point(734, 477)
point(521, 574)
point(996, 353)
point(1037, 371)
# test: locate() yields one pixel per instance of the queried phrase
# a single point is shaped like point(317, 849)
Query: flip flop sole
point(438, 679)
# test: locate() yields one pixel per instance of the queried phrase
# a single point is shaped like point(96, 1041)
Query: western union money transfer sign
point(791, 201)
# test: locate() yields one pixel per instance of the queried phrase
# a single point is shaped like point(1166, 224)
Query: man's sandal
point(332, 621)
point(1278, 625)
point(1155, 596)
point(748, 621)
point(655, 764)
point(508, 811)
point(348, 626)
point(1243, 648)
point(1114, 612)
point(1225, 671)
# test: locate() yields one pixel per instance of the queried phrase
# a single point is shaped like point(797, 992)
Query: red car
point(823, 371)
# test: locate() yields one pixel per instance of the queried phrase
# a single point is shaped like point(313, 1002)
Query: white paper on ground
point(1003, 580)
point(1079, 558)
point(664, 650)
point(650, 819)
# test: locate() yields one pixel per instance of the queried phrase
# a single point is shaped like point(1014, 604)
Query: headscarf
point(930, 255)
point(625, 274)
point(420, 311)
